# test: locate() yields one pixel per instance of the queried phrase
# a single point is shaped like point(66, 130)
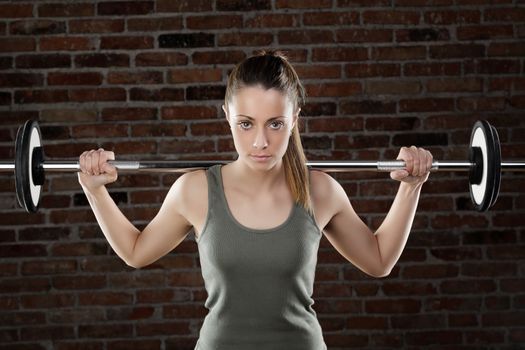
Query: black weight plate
point(28, 193)
point(496, 166)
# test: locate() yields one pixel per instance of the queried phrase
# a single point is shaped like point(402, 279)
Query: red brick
point(186, 146)
point(457, 51)
point(339, 54)
point(43, 61)
point(47, 301)
point(440, 337)
point(11, 80)
point(214, 57)
point(364, 35)
point(305, 37)
point(319, 72)
point(426, 105)
point(418, 69)
point(79, 282)
point(17, 44)
point(184, 75)
point(504, 14)
point(484, 32)
point(245, 39)
point(183, 6)
point(391, 17)
point(367, 322)
point(452, 17)
point(49, 267)
point(339, 89)
point(328, 18)
point(105, 331)
point(16, 10)
point(162, 94)
point(463, 320)
point(37, 27)
point(399, 53)
point(102, 94)
point(155, 24)
point(210, 129)
point(79, 78)
point(102, 60)
point(272, 20)
point(66, 10)
point(96, 26)
point(136, 78)
point(468, 286)
point(213, 22)
point(455, 85)
point(135, 344)
point(303, 4)
point(161, 329)
point(126, 42)
point(408, 288)
point(444, 303)
point(105, 298)
point(423, 34)
point(66, 44)
point(393, 306)
point(419, 322)
point(161, 59)
point(372, 70)
point(118, 114)
point(393, 87)
point(125, 8)
point(503, 319)
point(158, 130)
point(334, 124)
point(189, 112)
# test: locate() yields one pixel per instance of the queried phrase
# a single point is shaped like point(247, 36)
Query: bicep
point(350, 236)
point(167, 229)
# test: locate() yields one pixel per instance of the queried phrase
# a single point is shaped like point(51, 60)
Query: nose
point(260, 140)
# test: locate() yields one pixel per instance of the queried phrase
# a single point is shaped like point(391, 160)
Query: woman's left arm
point(377, 252)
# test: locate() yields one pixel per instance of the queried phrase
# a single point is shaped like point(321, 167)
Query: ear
point(295, 117)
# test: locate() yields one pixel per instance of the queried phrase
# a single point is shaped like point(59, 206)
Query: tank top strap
point(214, 185)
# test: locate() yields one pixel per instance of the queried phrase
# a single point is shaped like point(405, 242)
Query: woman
point(259, 219)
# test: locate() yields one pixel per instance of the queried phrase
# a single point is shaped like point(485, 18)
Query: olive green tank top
point(259, 282)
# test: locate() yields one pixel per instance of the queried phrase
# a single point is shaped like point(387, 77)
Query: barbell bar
point(484, 165)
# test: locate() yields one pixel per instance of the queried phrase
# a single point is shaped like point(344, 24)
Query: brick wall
point(146, 79)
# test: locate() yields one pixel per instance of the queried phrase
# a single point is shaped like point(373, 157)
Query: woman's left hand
point(418, 163)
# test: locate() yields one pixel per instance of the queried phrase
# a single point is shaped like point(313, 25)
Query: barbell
point(484, 165)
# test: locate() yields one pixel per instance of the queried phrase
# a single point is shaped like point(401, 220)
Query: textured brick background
point(146, 79)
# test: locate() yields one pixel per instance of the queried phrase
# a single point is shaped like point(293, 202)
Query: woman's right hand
point(95, 171)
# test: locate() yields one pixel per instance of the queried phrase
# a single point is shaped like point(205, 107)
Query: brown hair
point(271, 70)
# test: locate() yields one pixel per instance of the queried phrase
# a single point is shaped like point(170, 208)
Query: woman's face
point(261, 122)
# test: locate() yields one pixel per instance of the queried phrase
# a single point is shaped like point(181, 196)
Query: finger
point(94, 163)
point(399, 175)
point(404, 155)
point(89, 167)
point(102, 159)
point(430, 160)
point(416, 161)
point(423, 162)
point(82, 161)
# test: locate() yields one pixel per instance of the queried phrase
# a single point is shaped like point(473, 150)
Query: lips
point(260, 157)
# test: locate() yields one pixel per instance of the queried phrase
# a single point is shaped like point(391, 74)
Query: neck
point(262, 180)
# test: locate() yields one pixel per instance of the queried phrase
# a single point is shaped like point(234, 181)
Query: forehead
point(255, 100)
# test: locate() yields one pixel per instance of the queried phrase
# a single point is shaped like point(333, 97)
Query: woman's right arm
point(136, 248)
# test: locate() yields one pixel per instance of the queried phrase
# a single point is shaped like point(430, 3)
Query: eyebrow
point(250, 118)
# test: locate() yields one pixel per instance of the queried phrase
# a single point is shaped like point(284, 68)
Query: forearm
point(119, 231)
point(393, 233)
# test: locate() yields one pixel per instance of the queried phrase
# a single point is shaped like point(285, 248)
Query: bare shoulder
point(327, 194)
point(323, 185)
point(192, 186)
